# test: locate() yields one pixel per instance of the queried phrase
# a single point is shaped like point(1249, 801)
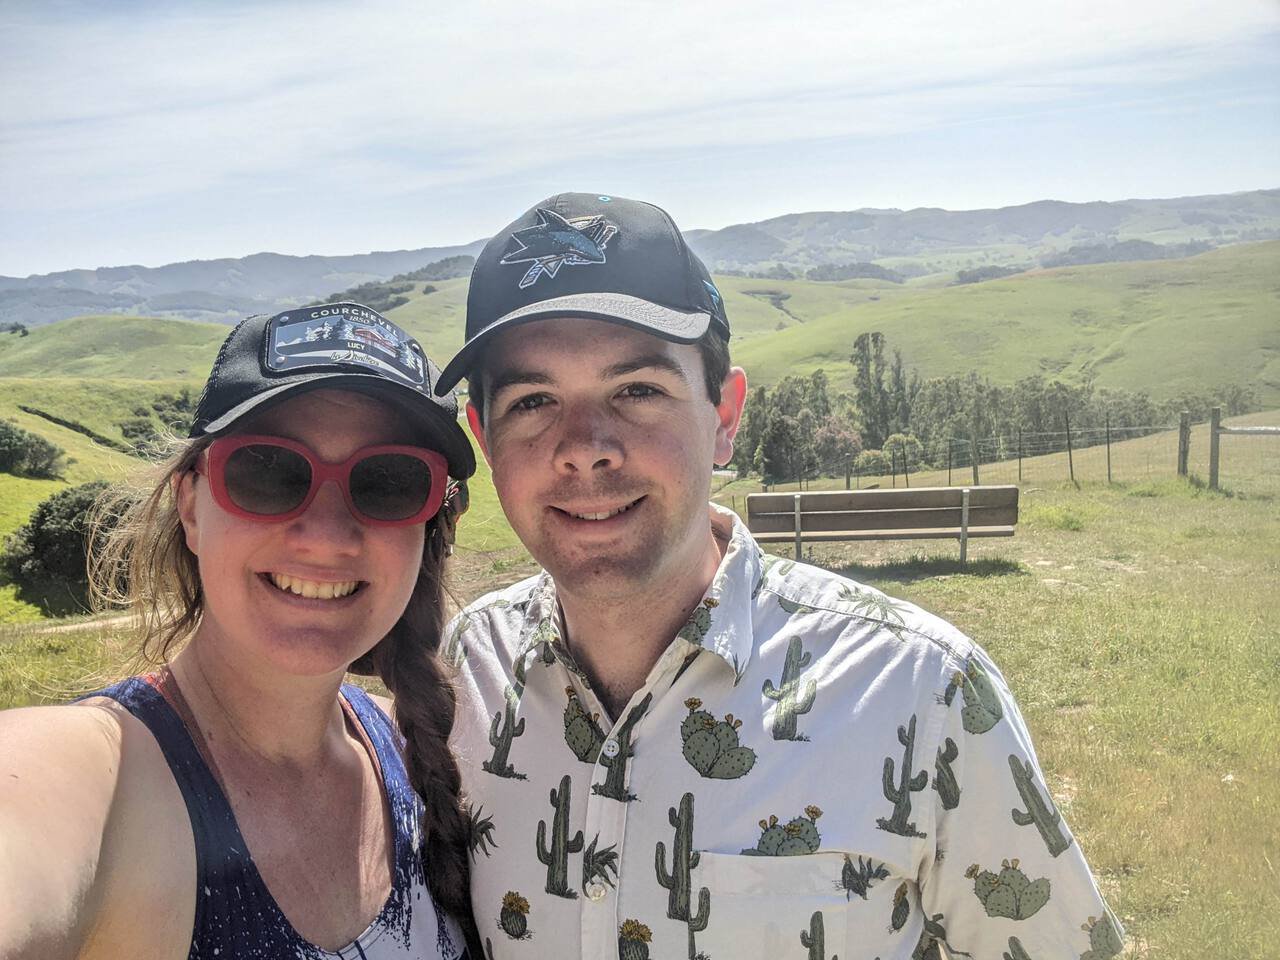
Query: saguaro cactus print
point(1040, 809)
point(556, 856)
point(502, 732)
point(683, 859)
point(900, 795)
point(794, 698)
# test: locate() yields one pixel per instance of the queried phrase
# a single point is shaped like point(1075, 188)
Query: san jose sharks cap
point(343, 346)
point(590, 256)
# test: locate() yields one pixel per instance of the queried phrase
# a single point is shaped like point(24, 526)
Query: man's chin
point(606, 573)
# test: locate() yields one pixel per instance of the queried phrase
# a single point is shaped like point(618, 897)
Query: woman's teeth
point(315, 589)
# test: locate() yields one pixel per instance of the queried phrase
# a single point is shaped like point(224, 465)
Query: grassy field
point(1140, 630)
point(1160, 326)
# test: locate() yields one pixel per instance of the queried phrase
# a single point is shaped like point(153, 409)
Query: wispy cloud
point(146, 103)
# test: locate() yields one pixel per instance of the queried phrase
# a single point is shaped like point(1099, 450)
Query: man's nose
point(588, 442)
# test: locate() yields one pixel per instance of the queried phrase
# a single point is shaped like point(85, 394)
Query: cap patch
point(344, 334)
point(554, 241)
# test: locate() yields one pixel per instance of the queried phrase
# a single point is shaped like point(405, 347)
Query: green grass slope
point(1162, 326)
point(113, 345)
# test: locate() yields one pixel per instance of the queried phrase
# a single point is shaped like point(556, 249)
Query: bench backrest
point(906, 509)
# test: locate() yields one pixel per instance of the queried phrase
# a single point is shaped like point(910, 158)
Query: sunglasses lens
point(390, 486)
point(266, 479)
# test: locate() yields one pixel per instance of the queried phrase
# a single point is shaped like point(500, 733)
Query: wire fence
point(1131, 454)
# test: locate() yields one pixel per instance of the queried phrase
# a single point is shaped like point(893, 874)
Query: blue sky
point(149, 133)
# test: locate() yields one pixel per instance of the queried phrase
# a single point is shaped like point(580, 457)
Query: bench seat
point(922, 513)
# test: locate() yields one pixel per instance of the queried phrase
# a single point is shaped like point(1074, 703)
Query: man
point(674, 744)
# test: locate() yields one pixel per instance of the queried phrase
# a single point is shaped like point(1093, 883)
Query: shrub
point(871, 463)
point(45, 558)
point(24, 454)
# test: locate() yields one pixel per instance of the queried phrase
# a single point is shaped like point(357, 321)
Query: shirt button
point(596, 891)
point(610, 748)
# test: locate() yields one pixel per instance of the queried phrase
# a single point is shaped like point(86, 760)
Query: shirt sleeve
point(1008, 880)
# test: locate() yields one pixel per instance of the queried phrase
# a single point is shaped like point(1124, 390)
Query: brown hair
point(139, 560)
point(712, 345)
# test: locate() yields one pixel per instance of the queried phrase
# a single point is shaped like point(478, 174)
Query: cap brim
point(443, 431)
point(679, 326)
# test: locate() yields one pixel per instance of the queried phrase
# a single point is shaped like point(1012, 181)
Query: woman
point(242, 801)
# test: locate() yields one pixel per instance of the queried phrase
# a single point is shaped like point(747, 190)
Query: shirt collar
point(721, 623)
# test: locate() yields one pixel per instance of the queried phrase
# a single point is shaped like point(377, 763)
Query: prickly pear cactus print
point(859, 878)
point(699, 622)
point(944, 778)
point(797, 837)
point(633, 940)
point(901, 908)
point(711, 746)
point(1040, 808)
point(513, 919)
point(1009, 893)
point(1104, 938)
point(582, 731)
point(982, 709)
point(900, 794)
point(1015, 951)
point(794, 697)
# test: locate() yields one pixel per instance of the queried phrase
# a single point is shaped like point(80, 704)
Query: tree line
point(894, 419)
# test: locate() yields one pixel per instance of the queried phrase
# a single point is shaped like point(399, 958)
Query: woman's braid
point(410, 666)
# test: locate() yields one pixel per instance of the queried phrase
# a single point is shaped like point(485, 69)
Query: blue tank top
point(236, 916)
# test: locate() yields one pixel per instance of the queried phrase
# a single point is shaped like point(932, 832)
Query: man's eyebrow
point(648, 361)
point(516, 377)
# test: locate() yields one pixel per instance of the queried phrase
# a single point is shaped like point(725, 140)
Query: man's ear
point(477, 430)
point(733, 394)
point(184, 493)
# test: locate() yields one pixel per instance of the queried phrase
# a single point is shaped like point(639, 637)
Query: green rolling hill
point(1160, 326)
point(113, 345)
point(1163, 326)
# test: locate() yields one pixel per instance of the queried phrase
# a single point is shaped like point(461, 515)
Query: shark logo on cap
point(554, 241)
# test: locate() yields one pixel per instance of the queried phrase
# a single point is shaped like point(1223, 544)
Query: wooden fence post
point(1184, 442)
point(1019, 455)
point(893, 467)
point(1071, 463)
point(1215, 423)
point(848, 470)
point(1108, 447)
point(949, 461)
point(797, 521)
point(906, 468)
point(973, 455)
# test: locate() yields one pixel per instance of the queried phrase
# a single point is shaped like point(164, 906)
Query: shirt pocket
point(761, 905)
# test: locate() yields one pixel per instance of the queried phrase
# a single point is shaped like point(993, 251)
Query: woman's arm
point(59, 768)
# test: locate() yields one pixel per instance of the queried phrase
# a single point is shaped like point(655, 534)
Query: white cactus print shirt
point(811, 770)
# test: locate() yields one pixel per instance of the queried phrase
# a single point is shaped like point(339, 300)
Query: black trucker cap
point(336, 345)
point(590, 256)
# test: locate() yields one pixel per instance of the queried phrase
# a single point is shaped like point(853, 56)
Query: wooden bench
point(920, 513)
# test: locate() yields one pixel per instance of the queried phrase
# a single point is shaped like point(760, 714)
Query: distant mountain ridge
point(214, 290)
point(1027, 231)
point(911, 243)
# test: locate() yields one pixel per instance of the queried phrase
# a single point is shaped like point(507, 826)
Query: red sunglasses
point(273, 479)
